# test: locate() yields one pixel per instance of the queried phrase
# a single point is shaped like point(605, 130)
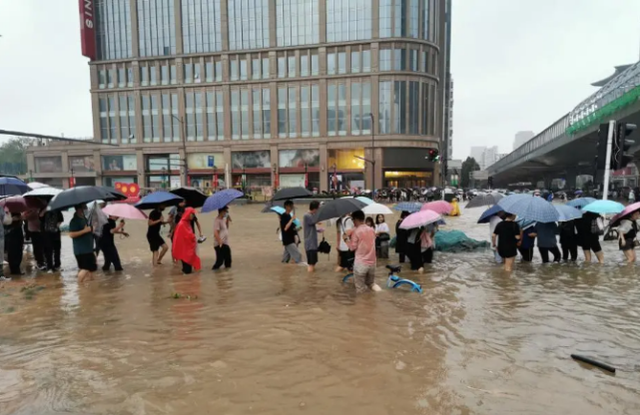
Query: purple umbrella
point(626, 212)
point(220, 199)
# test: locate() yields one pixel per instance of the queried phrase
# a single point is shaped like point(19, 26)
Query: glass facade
point(201, 25)
point(297, 22)
point(348, 20)
point(113, 29)
point(248, 24)
point(406, 18)
point(156, 28)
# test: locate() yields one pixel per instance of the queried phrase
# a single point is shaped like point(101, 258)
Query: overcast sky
point(517, 64)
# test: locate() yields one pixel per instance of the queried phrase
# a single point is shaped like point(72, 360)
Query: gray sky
point(517, 64)
point(522, 64)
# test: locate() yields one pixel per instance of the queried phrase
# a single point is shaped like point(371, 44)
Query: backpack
point(597, 226)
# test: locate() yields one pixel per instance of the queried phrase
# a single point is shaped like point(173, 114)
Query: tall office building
point(485, 156)
point(263, 92)
point(522, 137)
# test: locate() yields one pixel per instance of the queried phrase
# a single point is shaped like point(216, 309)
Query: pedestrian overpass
point(567, 147)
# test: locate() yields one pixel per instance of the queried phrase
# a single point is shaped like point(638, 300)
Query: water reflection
point(269, 338)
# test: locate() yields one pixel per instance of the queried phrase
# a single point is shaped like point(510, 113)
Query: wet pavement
point(268, 338)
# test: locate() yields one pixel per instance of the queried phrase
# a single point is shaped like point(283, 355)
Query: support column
point(177, 13)
point(141, 168)
point(135, 43)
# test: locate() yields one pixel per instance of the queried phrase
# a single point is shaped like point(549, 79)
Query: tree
point(13, 156)
point(469, 165)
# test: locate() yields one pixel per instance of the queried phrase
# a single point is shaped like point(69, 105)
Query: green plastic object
point(457, 241)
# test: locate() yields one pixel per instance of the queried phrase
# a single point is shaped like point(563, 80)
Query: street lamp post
point(184, 147)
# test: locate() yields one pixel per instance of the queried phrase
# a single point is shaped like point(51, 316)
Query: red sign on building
point(87, 28)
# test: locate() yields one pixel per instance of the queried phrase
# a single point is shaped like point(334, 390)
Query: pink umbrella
point(20, 204)
point(626, 212)
point(439, 206)
point(420, 219)
point(123, 211)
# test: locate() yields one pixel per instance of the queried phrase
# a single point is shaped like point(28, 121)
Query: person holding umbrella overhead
point(311, 236)
point(51, 222)
point(82, 235)
point(505, 238)
point(288, 232)
point(156, 244)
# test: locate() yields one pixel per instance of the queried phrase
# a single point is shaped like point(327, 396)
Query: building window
point(256, 104)
point(414, 19)
point(243, 69)
point(102, 79)
point(122, 78)
point(337, 109)
point(314, 64)
point(291, 65)
point(355, 61)
point(332, 92)
point(193, 110)
point(315, 110)
point(166, 118)
point(197, 78)
point(342, 62)
point(211, 116)
point(201, 26)
point(413, 60)
point(208, 72)
point(414, 106)
point(244, 107)
point(297, 22)
point(282, 112)
point(129, 77)
point(164, 73)
point(155, 119)
point(113, 29)
point(265, 68)
point(426, 21)
point(360, 108)
point(248, 24)
point(293, 132)
point(282, 67)
point(156, 28)
point(104, 120)
point(177, 123)
point(219, 115)
point(385, 60)
point(348, 20)
point(132, 120)
point(331, 63)
point(111, 74)
point(234, 72)
point(342, 109)
point(188, 73)
point(400, 18)
point(384, 107)
point(146, 119)
point(218, 68)
point(385, 18)
point(266, 112)
point(153, 79)
point(174, 74)
point(399, 59)
point(256, 70)
point(304, 64)
point(124, 119)
point(400, 107)
point(305, 111)
point(366, 61)
point(113, 132)
point(212, 71)
point(235, 115)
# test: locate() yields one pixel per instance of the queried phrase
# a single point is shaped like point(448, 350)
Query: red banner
point(276, 180)
point(72, 182)
point(87, 28)
point(215, 180)
point(306, 180)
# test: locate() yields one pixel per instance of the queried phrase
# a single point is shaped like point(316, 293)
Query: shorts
point(312, 257)
point(87, 262)
point(346, 259)
point(592, 244)
point(629, 245)
point(155, 242)
point(508, 252)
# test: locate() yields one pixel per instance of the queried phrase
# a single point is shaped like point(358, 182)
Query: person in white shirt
point(493, 222)
point(382, 237)
point(345, 256)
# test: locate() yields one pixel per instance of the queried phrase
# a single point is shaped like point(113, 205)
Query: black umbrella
point(337, 208)
point(487, 199)
point(291, 193)
point(193, 197)
point(83, 194)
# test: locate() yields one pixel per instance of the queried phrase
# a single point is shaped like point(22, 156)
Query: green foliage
point(13, 156)
point(469, 165)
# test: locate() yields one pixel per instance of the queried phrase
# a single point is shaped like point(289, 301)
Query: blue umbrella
point(280, 210)
point(487, 214)
point(525, 223)
point(602, 207)
point(530, 207)
point(10, 186)
point(155, 199)
point(567, 213)
point(580, 202)
point(220, 199)
point(411, 207)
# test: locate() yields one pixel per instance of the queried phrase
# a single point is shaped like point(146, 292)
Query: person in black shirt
point(51, 222)
point(156, 243)
point(569, 240)
point(288, 231)
point(401, 237)
point(507, 234)
point(108, 246)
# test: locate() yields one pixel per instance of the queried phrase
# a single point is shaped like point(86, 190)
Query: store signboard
point(82, 163)
point(251, 159)
point(299, 158)
point(205, 161)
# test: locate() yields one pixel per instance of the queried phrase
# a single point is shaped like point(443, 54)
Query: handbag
point(384, 237)
point(324, 247)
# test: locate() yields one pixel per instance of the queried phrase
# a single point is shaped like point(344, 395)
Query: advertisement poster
point(120, 163)
point(251, 159)
point(48, 164)
point(204, 161)
point(299, 158)
point(292, 180)
point(81, 163)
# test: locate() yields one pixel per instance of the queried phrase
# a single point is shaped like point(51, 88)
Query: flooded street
point(268, 338)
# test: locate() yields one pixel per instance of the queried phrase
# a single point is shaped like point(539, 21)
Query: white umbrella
point(377, 209)
point(42, 192)
point(37, 185)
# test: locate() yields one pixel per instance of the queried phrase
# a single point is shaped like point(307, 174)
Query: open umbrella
point(580, 202)
point(10, 186)
point(485, 199)
point(221, 199)
point(410, 207)
point(20, 203)
point(626, 212)
point(567, 213)
point(603, 207)
point(155, 199)
point(337, 208)
point(43, 193)
point(530, 207)
point(37, 185)
point(441, 207)
point(376, 209)
point(124, 211)
point(291, 193)
point(280, 210)
point(83, 194)
point(420, 219)
point(193, 197)
point(489, 213)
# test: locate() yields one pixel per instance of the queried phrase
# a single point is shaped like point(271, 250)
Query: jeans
point(570, 249)
point(52, 250)
point(291, 252)
point(544, 253)
point(111, 256)
point(37, 243)
point(223, 256)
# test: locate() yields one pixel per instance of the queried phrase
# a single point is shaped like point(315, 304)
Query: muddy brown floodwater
point(267, 338)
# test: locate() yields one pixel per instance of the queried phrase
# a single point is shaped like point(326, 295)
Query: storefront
point(346, 169)
point(251, 169)
point(407, 168)
point(48, 164)
point(163, 171)
point(299, 168)
point(81, 164)
point(206, 171)
point(119, 169)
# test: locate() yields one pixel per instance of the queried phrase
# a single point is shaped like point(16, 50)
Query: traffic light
point(601, 147)
point(621, 144)
point(434, 155)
